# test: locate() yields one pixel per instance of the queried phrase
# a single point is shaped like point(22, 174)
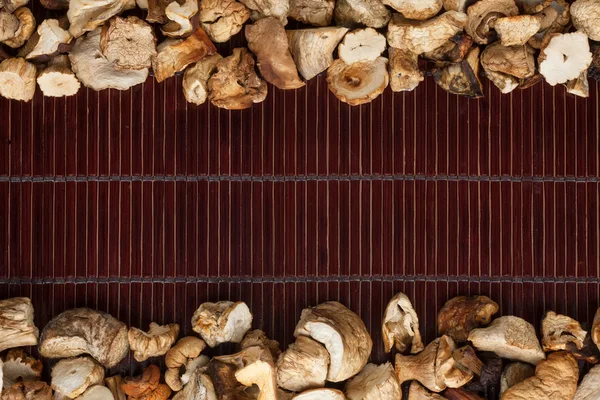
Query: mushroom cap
point(455, 5)
point(513, 373)
point(320, 394)
point(418, 392)
point(156, 342)
point(358, 83)
point(371, 13)
point(374, 382)
point(224, 321)
point(509, 337)
point(506, 83)
point(142, 385)
point(420, 367)
point(400, 326)
point(340, 330)
point(361, 45)
point(416, 9)
point(312, 49)
point(72, 376)
point(259, 338)
point(186, 349)
point(19, 367)
point(517, 61)
point(258, 369)
point(51, 37)
point(303, 365)
point(558, 330)
point(26, 28)
point(461, 78)
point(518, 29)
point(181, 21)
point(36, 390)
point(462, 314)
point(16, 314)
point(96, 392)
point(128, 43)
point(453, 50)
point(482, 13)
point(312, 12)
point(589, 388)
point(260, 9)
point(222, 19)
point(585, 15)
point(564, 57)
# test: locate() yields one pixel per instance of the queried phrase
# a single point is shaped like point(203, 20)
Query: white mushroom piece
point(57, 79)
point(424, 36)
point(37, 390)
point(96, 392)
point(483, 14)
point(9, 25)
point(513, 373)
point(221, 19)
point(259, 9)
point(52, 40)
point(361, 45)
point(224, 321)
point(359, 82)
point(507, 66)
point(199, 387)
point(87, 15)
point(564, 57)
point(128, 43)
point(25, 30)
point(257, 337)
point(312, 12)
point(156, 342)
point(72, 376)
point(175, 55)
point(371, 13)
point(400, 328)
point(455, 5)
point(85, 331)
point(374, 382)
point(558, 331)
point(184, 357)
point(113, 383)
point(181, 18)
point(418, 392)
point(196, 76)
point(320, 394)
point(405, 74)
point(342, 332)
point(17, 328)
point(462, 77)
point(416, 9)
point(312, 49)
point(19, 367)
point(589, 388)
point(585, 15)
point(509, 337)
point(303, 365)
point(555, 378)
point(518, 29)
point(268, 41)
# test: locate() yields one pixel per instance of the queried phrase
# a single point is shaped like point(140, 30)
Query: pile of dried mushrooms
point(476, 356)
point(363, 45)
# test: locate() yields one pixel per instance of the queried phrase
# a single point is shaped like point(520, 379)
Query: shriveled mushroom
point(416, 9)
point(53, 39)
point(9, 25)
point(57, 79)
point(268, 41)
point(579, 86)
point(420, 367)
point(320, 394)
point(555, 378)
point(259, 9)
point(36, 390)
point(185, 354)
point(452, 51)
point(156, 342)
point(17, 79)
point(195, 79)
point(509, 337)
point(199, 387)
point(514, 373)
point(585, 15)
point(26, 28)
point(20, 367)
point(589, 388)
point(360, 82)
point(312, 12)
point(461, 315)
point(312, 49)
point(72, 376)
point(455, 5)
point(85, 331)
point(418, 392)
point(221, 19)
point(400, 326)
point(505, 66)
point(424, 36)
point(181, 18)
point(156, 10)
point(259, 338)
point(371, 13)
point(96, 392)
point(482, 16)
point(361, 45)
point(146, 386)
point(461, 78)
point(128, 43)
point(564, 57)
point(173, 376)
point(447, 372)
point(222, 375)
point(405, 75)
point(341, 331)
point(87, 15)
point(518, 29)
point(303, 365)
point(559, 330)
point(113, 383)
point(374, 382)
point(176, 54)
point(11, 5)
point(554, 17)
point(506, 83)
point(224, 321)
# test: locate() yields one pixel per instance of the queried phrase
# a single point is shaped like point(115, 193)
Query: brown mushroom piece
point(555, 378)
point(371, 13)
point(128, 43)
point(57, 79)
point(52, 40)
point(418, 392)
point(461, 78)
point(303, 365)
point(361, 45)
point(72, 376)
point(447, 371)
point(175, 55)
point(260, 9)
point(482, 15)
point(374, 382)
point(455, 5)
point(424, 36)
point(554, 17)
point(184, 355)
point(312, 12)
point(181, 18)
point(312, 49)
point(222, 375)
point(259, 338)
point(488, 381)
point(9, 25)
point(156, 342)
point(564, 57)
point(195, 79)
point(400, 326)
point(460, 315)
point(320, 394)
point(453, 50)
point(518, 29)
point(509, 337)
point(199, 387)
point(559, 330)
point(268, 41)
point(466, 360)
point(461, 394)
point(501, 63)
point(222, 19)
point(585, 15)
point(113, 383)
point(359, 82)
point(87, 15)
point(36, 390)
point(224, 321)
point(17, 81)
point(146, 386)
point(156, 10)
point(589, 388)
point(19, 367)
point(579, 86)
point(85, 331)
point(416, 9)
point(26, 28)
point(55, 4)
point(420, 367)
point(514, 373)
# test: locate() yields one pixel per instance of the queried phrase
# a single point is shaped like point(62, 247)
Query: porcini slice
point(25, 30)
point(416, 9)
point(156, 342)
point(57, 79)
point(400, 326)
point(585, 15)
point(518, 29)
point(72, 376)
point(418, 392)
point(514, 373)
point(420, 367)
point(447, 373)
point(579, 86)
point(221, 19)
point(351, 13)
point(320, 394)
point(36, 390)
point(554, 17)
point(199, 387)
point(52, 39)
point(589, 388)
point(462, 314)
point(360, 82)
point(312, 49)
point(505, 66)
point(19, 367)
point(374, 382)
point(453, 50)
point(87, 15)
point(224, 321)
point(195, 79)
point(312, 12)
point(17, 82)
point(186, 353)
point(564, 57)
point(303, 365)
point(405, 75)
point(180, 16)
point(559, 330)
point(259, 9)
point(461, 78)
point(482, 15)
point(96, 392)
point(259, 338)
point(128, 43)
point(361, 45)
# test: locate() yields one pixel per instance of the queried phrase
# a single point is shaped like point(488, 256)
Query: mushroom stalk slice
point(224, 321)
point(461, 78)
point(579, 86)
point(418, 392)
point(129, 43)
point(195, 79)
point(374, 383)
point(303, 365)
point(416, 9)
point(514, 373)
point(17, 81)
point(585, 15)
point(181, 18)
point(113, 383)
point(312, 49)
point(57, 79)
point(222, 19)
point(564, 57)
point(26, 28)
point(72, 376)
point(351, 13)
point(361, 45)
point(259, 9)
point(87, 15)
point(360, 82)
point(400, 326)
point(559, 330)
point(312, 12)
point(589, 388)
point(462, 314)
point(320, 394)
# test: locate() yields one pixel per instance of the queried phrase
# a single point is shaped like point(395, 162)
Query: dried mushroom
point(128, 43)
point(420, 367)
point(514, 373)
point(9, 25)
point(303, 365)
point(268, 41)
point(312, 49)
point(17, 81)
point(371, 13)
point(156, 342)
point(52, 40)
point(418, 392)
point(416, 9)
point(72, 376)
point(374, 382)
point(400, 326)
point(447, 371)
point(320, 394)
point(199, 387)
point(589, 388)
point(85, 331)
point(555, 378)
point(453, 50)
point(361, 45)
point(585, 15)
point(27, 391)
point(509, 337)
point(113, 383)
point(221, 19)
point(424, 36)
point(559, 330)
point(19, 367)
point(554, 18)
point(146, 386)
point(405, 74)
point(225, 321)
point(181, 18)
point(156, 10)
point(466, 360)
point(184, 355)
point(579, 86)
point(96, 392)
point(518, 29)
point(195, 79)
point(482, 16)
point(11, 5)
point(461, 78)
point(312, 12)
point(359, 82)
point(488, 381)
point(222, 375)
point(26, 28)
point(455, 5)
point(461, 315)
point(259, 9)
point(564, 57)
point(87, 15)
point(57, 79)
point(505, 66)
point(259, 338)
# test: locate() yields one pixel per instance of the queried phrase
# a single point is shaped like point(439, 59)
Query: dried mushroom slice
point(199, 387)
point(128, 43)
point(462, 314)
point(564, 57)
point(461, 78)
point(57, 79)
point(404, 71)
point(72, 376)
point(259, 9)
point(559, 330)
point(351, 13)
point(579, 86)
point(303, 365)
point(96, 392)
point(589, 388)
point(9, 25)
point(221, 19)
point(312, 12)
point(554, 17)
point(17, 81)
point(420, 367)
point(259, 338)
point(156, 342)
point(320, 394)
point(184, 355)
point(156, 10)
point(453, 50)
point(400, 326)
point(195, 79)
point(26, 28)
point(507, 66)
point(586, 17)
point(181, 18)
point(359, 82)
point(455, 5)
point(224, 321)
point(87, 15)
point(10, 6)
point(418, 392)
point(361, 45)
point(514, 373)
point(36, 390)
point(518, 29)
point(447, 373)
point(19, 367)
point(483, 14)
point(52, 40)
point(147, 386)
point(416, 9)
point(312, 49)
point(374, 382)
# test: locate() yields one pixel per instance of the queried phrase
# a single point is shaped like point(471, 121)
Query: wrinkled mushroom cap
point(352, 13)
point(483, 13)
point(320, 394)
point(156, 342)
point(374, 382)
point(558, 330)
point(16, 314)
point(26, 28)
point(224, 321)
point(312, 12)
point(176, 380)
point(222, 19)
point(20, 366)
point(517, 61)
point(462, 314)
point(360, 82)
point(72, 376)
point(128, 43)
point(303, 365)
point(518, 29)
point(186, 349)
point(400, 326)
point(514, 373)
point(147, 386)
point(87, 15)
point(416, 9)
point(585, 15)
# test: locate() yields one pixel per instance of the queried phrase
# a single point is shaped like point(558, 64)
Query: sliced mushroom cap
point(405, 75)
point(26, 28)
point(224, 321)
point(156, 342)
point(514, 373)
point(312, 49)
point(53, 39)
point(128, 43)
point(461, 78)
point(420, 367)
point(559, 330)
point(506, 66)
point(312, 12)
point(564, 57)
point(221, 19)
point(374, 382)
point(145, 386)
point(87, 15)
point(320, 394)
point(72, 376)
point(360, 82)
point(199, 387)
point(9, 25)
point(579, 86)
point(462, 314)
point(400, 326)
point(418, 392)
point(589, 388)
point(554, 17)
point(351, 13)
point(517, 30)
point(16, 314)
point(259, 338)
point(424, 36)
point(447, 374)
point(259, 9)
point(483, 13)
point(453, 50)
point(416, 9)
point(195, 79)
point(181, 18)
point(361, 45)
point(28, 390)
point(586, 17)
point(96, 392)
point(19, 367)
point(303, 365)
point(555, 378)
point(509, 337)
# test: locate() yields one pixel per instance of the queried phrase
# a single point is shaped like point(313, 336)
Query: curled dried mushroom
point(19, 367)
point(483, 14)
point(156, 342)
point(359, 82)
point(507, 64)
point(146, 386)
point(259, 338)
point(196, 76)
point(87, 15)
point(513, 373)
point(26, 28)
point(185, 354)
point(72, 376)
point(17, 81)
point(36, 390)
point(226, 321)
point(400, 326)
point(303, 365)
point(559, 330)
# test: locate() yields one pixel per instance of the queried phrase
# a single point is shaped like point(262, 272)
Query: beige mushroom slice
point(359, 82)
point(374, 382)
point(113, 383)
point(518, 29)
point(87, 15)
point(418, 392)
point(312, 49)
point(453, 50)
point(57, 79)
point(371, 13)
point(554, 17)
point(447, 371)
point(589, 388)
point(482, 16)
point(506, 66)
point(10, 6)
point(72, 376)
point(585, 15)
point(312, 12)
point(175, 55)
point(420, 367)
point(224, 321)
point(180, 16)
point(361, 45)
point(259, 9)
point(96, 392)
point(462, 314)
point(455, 5)
point(259, 338)
point(222, 19)
point(320, 394)
point(146, 386)
point(339, 329)
point(579, 86)
point(416, 9)
point(199, 387)
point(128, 43)
point(268, 41)
point(461, 78)
point(28, 390)
point(559, 330)
point(53, 39)
point(564, 57)
point(424, 36)
point(85, 331)
point(509, 337)
point(303, 365)
point(195, 79)
point(555, 378)
point(514, 373)
point(176, 381)
point(400, 326)
point(16, 314)
point(185, 354)
point(19, 367)
point(26, 28)
point(9, 25)
point(156, 342)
